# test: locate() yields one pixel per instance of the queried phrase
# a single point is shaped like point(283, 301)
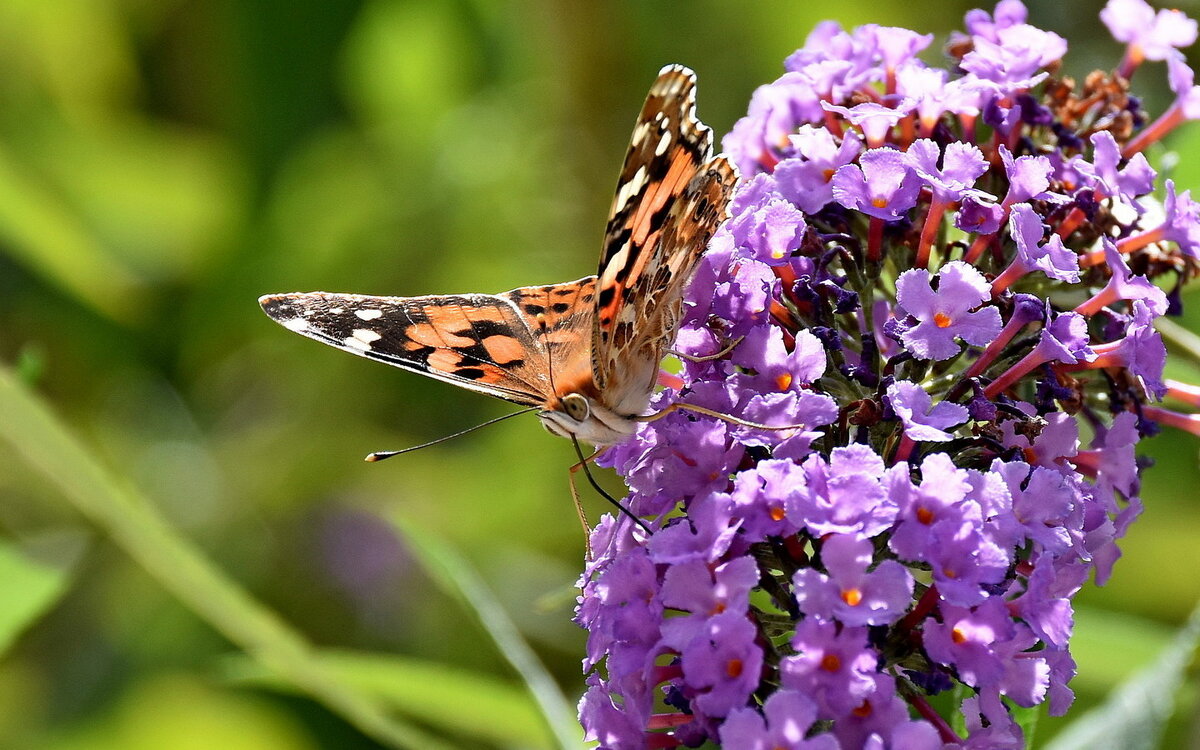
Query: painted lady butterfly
point(586, 353)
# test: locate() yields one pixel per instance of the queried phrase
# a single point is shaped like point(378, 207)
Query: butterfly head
point(580, 416)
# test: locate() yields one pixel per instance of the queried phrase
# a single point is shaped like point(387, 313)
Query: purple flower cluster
point(941, 286)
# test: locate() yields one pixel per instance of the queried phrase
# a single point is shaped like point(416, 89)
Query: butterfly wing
point(478, 341)
point(671, 196)
point(601, 336)
point(559, 317)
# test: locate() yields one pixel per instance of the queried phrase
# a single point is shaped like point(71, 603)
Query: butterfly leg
point(583, 464)
point(707, 357)
point(583, 521)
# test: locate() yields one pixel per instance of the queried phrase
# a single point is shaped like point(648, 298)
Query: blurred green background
point(165, 162)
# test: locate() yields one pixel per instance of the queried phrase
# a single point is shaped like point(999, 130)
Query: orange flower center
point(942, 320)
point(958, 636)
point(733, 668)
point(852, 596)
point(831, 663)
point(777, 514)
point(924, 515)
point(783, 381)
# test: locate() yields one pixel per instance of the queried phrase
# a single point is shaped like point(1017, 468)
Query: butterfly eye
point(576, 406)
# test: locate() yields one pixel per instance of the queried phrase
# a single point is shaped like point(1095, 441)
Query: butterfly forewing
point(478, 341)
point(671, 197)
point(601, 337)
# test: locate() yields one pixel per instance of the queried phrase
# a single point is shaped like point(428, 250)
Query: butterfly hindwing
point(477, 341)
point(670, 198)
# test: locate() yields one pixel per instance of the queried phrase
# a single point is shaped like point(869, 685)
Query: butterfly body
point(585, 353)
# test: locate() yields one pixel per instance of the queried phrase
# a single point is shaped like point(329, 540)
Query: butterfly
point(585, 354)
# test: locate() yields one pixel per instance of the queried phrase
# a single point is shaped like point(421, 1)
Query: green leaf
point(34, 579)
point(41, 232)
point(456, 576)
point(498, 712)
point(45, 444)
point(1136, 712)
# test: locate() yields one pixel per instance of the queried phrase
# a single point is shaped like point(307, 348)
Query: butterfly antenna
point(583, 464)
point(545, 331)
point(380, 455)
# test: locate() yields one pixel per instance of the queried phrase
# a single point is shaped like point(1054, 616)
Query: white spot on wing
point(630, 189)
point(337, 310)
point(664, 143)
point(295, 324)
point(362, 339)
point(369, 313)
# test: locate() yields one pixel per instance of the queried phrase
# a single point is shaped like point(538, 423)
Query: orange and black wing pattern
point(477, 341)
point(671, 196)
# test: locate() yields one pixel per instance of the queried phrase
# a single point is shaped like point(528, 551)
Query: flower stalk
point(929, 522)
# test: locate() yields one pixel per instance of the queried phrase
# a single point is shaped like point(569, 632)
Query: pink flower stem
point(928, 602)
point(1015, 373)
point(875, 240)
point(658, 740)
point(933, 222)
point(1107, 355)
point(666, 721)
point(833, 123)
point(1138, 241)
point(1187, 422)
point(933, 717)
point(1091, 306)
point(1155, 131)
point(670, 380)
point(908, 130)
point(1073, 219)
point(1127, 245)
point(1015, 270)
point(995, 347)
point(1130, 61)
point(1185, 392)
point(1088, 463)
point(968, 128)
point(977, 247)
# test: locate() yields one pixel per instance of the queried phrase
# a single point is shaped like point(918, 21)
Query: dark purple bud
point(1067, 137)
point(981, 408)
point(1148, 427)
point(1049, 391)
point(844, 300)
point(1085, 200)
point(828, 336)
point(934, 682)
point(1033, 113)
point(1175, 300)
point(895, 328)
point(1027, 308)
